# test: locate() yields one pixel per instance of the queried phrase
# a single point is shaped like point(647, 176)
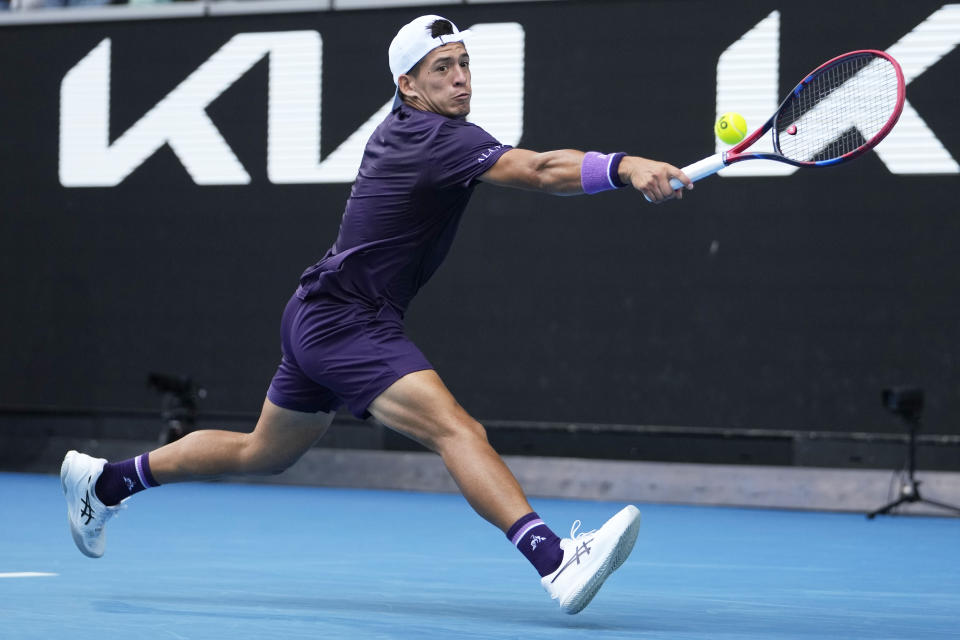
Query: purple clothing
point(417, 175)
point(335, 353)
point(120, 480)
point(537, 543)
point(342, 332)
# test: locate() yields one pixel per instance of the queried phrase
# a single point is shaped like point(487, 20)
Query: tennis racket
point(841, 110)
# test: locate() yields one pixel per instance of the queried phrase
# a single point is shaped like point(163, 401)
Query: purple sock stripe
point(525, 530)
point(143, 471)
point(530, 517)
point(147, 473)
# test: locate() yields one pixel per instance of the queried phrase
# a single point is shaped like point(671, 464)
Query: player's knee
point(460, 431)
point(477, 430)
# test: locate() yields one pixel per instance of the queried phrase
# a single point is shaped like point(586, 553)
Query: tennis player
point(342, 331)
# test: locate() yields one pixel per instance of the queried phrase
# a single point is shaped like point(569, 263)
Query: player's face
point(442, 83)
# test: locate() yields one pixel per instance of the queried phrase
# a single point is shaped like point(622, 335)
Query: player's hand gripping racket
point(841, 110)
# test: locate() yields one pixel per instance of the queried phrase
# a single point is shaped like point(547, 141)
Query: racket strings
point(838, 110)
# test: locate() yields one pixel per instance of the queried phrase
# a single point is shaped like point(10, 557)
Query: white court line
point(27, 574)
point(736, 567)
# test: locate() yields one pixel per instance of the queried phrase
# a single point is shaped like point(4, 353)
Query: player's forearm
point(558, 172)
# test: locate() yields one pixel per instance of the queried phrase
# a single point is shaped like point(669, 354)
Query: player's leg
point(94, 488)
point(295, 414)
point(572, 570)
point(420, 406)
point(280, 438)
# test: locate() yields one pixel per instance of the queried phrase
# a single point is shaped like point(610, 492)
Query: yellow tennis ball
point(731, 128)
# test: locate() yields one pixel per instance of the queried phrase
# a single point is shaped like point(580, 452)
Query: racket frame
point(712, 164)
point(738, 153)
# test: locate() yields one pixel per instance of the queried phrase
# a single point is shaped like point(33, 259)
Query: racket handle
point(700, 170)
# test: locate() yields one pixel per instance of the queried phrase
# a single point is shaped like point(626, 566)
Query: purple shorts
point(336, 353)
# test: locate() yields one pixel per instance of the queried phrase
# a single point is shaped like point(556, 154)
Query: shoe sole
point(617, 556)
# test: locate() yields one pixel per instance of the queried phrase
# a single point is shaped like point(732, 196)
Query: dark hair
point(436, 28)
point(439, 28)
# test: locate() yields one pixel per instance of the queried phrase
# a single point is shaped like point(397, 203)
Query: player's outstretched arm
point(570, 172)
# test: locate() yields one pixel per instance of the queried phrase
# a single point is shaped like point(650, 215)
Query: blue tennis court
point(215, 561)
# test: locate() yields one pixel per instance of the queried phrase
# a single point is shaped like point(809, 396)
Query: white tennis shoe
point(589, 559)
point(86, 514)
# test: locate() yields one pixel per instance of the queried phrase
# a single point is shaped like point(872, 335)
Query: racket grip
point(699, 170)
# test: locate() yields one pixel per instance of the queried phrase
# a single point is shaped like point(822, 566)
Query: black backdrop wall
point(782, 303)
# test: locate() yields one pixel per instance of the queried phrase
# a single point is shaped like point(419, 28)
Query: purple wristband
point(599, 172)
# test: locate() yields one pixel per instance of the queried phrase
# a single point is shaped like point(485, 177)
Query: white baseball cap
point(413, 42)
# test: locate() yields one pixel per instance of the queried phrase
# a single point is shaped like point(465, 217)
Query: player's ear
point(407, 84)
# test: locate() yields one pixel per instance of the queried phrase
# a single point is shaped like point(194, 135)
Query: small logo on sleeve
point(489, 152)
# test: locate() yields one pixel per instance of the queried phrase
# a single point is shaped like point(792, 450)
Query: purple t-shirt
point(418, 172)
